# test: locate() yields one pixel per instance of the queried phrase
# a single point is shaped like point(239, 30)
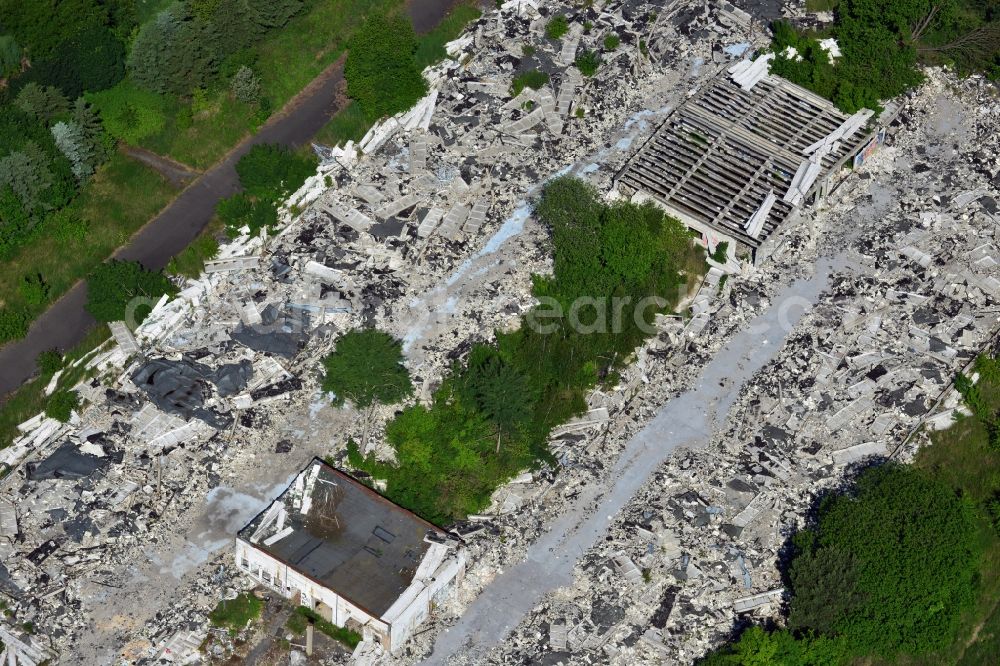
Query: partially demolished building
point(737, 158)
point(360, 561)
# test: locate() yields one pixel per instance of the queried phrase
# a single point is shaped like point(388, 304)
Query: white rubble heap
point(117, 528)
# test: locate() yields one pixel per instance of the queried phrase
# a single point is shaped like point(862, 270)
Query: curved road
point(66, 322)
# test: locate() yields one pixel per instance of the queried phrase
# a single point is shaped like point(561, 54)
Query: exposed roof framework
point(728, 156)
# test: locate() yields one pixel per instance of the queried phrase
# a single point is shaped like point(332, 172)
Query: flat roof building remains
point(743, 153)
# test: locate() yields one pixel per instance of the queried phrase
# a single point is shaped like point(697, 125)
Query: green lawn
point(121, 197)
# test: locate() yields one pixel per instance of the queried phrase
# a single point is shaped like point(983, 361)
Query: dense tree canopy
point(888, 569)
point(367, 367)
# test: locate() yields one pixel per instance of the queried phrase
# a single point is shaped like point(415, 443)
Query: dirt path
point(177, 173)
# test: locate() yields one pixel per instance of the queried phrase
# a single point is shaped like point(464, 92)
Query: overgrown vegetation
point(300, 618)
point(904, 568)
point(881, 44)
point(268, 175)
point(114, 287)
point(30, 398)
point(236, 614)
point(381, 70)
point(491, 416)
point(61, 405)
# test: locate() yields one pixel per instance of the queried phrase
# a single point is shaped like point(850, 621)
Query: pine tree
point(72, 142)
point(90, 124)
point(10, 56)
point(246, 85)
point(41, 102)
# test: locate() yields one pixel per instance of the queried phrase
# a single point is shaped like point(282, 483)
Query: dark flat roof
point(352, 540)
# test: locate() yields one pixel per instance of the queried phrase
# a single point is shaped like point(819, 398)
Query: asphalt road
point(66, 322)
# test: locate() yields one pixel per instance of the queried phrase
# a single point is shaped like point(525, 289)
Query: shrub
point(50, 361)
point(533, 79)
point(66, 226)
point(34, 290)
point(366, 367)
point(241, 210)
point(236, 614)
point(588, 62)
point(113, 287)
point(61, 404)
point(14, 323)
point(611, 42)
point(557, 27)
point(381, 72)
point(10, 56)
point(721, 251)
point(272, 172)
point(129, 113)
point(302, 615)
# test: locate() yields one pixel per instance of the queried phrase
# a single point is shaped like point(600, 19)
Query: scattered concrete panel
point(747, 74)
point(453, 221)
point(848, 413)
point(430, 222)
point(749, 512)
point(845, 130)
point(323, 273)
point(567, 91)
point(182, 647)
point(396, 207)
point(756, 222)
point(857, 452)
point(231, 264)
point(627, 568)
point(476, 218)
point(352, 217)
point(923, 259)
point(965, 198)
point(418, 155)
point(525, 123)
point(8, 519)
point(746, 604)
point(558, 635)
point(123, 336)
point(370, 194)
point(570, 43)
point(22, 649)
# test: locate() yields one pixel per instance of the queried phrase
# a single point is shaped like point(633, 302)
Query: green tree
point(61, 404)
point(10, 56)
point(50, 361)
point(366, 367)
point(271, 172)
point(41, 102)
point(381, 73)
point(70, 139)
point(173, 53)
point(498, 390)
point(27, 172)
point(113, 286)
point(241, 210)
point(92, 59)
point(14, 323)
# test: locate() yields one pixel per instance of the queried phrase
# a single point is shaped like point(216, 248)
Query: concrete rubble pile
point(116, 524)
point(911, 250)
point(115, 528)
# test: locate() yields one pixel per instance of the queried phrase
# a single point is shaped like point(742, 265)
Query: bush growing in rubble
point(61, 405)
point(367, 367)
point(113, 287)
point(381, 71)
point(271, 173)
point(557, 27)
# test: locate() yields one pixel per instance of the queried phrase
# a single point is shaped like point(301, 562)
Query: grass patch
point(236, 614)
point(121, 197)
point(300, 619)
point(350, 124)
point(191, 261)
point(821, 5)
point(430, 47)
point(30, 399)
